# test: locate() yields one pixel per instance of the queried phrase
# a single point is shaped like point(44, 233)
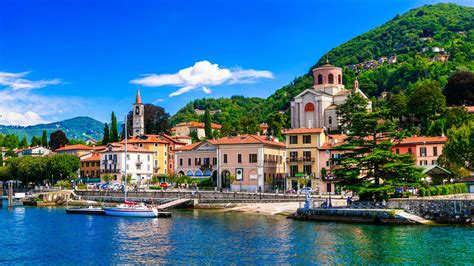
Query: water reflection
point(35, 235)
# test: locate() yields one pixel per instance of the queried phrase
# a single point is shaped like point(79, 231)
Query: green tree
point(58, 139)
point(23, 143)
point(11, 141)
point(44, 139)
point(156, 120)
point(248, 125)
point(106, 138)
point(397, 105)
point(460, 88)
point(226, 129)
point(107, 178)
point(369, 167)
point(61, 166)
point(275, 122)
point(208, 124)
point(426, 102)
point(355, 103)
point(194, 136)
point(459, 149)
point(35, 141)
point(113, 129)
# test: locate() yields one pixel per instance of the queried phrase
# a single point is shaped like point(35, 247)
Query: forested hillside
point(430, 42)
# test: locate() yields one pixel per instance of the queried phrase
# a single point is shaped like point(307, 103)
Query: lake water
point(50, 236)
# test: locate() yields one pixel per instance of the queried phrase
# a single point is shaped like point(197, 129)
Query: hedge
point(443, 190)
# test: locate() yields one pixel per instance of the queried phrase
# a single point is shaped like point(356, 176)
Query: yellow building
point(303, 156)
point(159, 147)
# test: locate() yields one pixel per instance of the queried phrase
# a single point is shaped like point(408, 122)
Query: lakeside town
point(311, 158)
point(236, 132)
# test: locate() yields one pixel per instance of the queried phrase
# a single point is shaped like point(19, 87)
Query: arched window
point(339, 79)
point(320, 79)
point(331, 79)
point(309, 107)
point(330, 120)
point(137, 110)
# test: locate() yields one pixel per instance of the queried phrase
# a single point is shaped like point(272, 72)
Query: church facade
point(315, 107)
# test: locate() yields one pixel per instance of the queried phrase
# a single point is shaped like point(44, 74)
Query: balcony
point(110, 171)
point(206, 166)
point(292, 160)
point(138, 162)
point(307, 159)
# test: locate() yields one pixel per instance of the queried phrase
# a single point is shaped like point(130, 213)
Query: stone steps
point(414, 218)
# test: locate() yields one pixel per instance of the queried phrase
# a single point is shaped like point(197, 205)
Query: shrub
point(206, 183)
point(155, 187)
point(422, 192)
point(444, 190)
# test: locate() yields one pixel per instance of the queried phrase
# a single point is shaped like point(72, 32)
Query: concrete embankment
point(375, 216)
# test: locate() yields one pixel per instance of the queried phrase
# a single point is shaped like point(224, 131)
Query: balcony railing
point(308, 159)
point(110, 171)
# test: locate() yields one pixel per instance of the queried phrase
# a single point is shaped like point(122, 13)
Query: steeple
point(138, 99)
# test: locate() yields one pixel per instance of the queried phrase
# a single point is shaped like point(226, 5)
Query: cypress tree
point(113, 129)
point(106, 138)
point(24, 143)
point(44, 139)
point(207, 124)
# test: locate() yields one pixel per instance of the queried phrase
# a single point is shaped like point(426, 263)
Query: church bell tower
point(138, 116)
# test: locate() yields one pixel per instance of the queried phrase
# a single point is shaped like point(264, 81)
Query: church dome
point(327, 75)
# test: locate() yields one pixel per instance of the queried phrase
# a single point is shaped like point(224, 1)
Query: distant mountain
point(75, 128)
point(432, 42)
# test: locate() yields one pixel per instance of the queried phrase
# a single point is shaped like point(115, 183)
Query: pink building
point(256, 162)
point(426, 150)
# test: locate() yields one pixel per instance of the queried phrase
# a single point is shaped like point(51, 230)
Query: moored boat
point(88, 210)
point(132, 209)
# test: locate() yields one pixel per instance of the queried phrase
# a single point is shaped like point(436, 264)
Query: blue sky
point(61, 59)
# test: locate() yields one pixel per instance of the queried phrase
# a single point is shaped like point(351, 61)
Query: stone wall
point(438, 210)
point(351, 216)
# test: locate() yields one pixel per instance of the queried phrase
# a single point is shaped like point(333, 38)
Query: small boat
point(88, 210)
point(132, 209)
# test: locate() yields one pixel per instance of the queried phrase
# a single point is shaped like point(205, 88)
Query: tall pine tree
point(106, 138)
point(368, 166)
point(23, 143)
point(207, 124)
point(113, 129)
point(44, 139)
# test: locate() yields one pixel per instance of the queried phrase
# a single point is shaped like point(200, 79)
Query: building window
point(409, 150)
point(197, 161)
point(309, 107)
point(189, 161)
point(397, 151)
point(307, 169)
point(225, 158)
point(435, 151)
point(307, 154)
point(293, 154)
point(214, 161)
point(339, 79)
point(239, 158)
point(252, 158)
point(171, 166)
point(293, 139)
point(293, 170)
point(148, 157)
point(180, 161)
point(330, 120)
point(320, 79)
point(331, 79)
point(307, 139)
point(137, 110)
point(422, 151)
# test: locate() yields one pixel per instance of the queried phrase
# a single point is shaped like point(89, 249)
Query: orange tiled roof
point(334, 141)
point(303, 130)
point(423, 140)
point(469, 109)
point(197, 125)
point(146, 139)
point(99, 148)
point(116, 146)
point(174, 140)
point(263, 126)
point(80, 147)
point(246, 139)
point(94, 157)
point(188, 147)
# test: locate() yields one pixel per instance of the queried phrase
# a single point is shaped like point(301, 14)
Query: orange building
point(90, 166)
point(426, 150)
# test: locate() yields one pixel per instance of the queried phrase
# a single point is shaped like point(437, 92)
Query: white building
point(138, 164)
point(33, 151)
point(316, 107)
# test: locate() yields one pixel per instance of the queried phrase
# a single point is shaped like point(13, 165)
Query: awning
point(300, 175)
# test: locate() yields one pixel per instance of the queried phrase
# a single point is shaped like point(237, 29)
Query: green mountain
point(432, 42)
point(228, 110)
point(75, 128)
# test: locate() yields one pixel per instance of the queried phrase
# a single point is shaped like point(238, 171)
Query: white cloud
point(20, 106)
point(158, 101)
point(16, 81)
point(201, 76)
